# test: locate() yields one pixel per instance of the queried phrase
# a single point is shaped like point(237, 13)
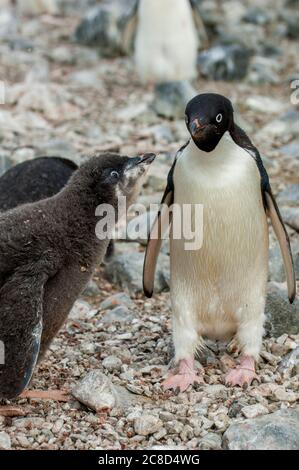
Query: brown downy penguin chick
point(48, 250)
point(37, 179)
point(219, 290)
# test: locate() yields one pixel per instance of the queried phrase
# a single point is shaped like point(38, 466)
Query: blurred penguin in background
point(168, 36)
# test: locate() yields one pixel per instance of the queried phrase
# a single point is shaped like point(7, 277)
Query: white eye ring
point(114, 174)
point(219, 117)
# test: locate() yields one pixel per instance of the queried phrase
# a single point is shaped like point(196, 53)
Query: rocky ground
point(63, 98)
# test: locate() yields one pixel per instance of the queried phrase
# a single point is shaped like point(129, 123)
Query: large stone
point(281, 316)
point(171, 98)
point(104, 27)
point(126, 271)
point(98, 392)
point(224, 62)
point(276, 431)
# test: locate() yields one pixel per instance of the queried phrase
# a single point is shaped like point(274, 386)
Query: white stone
point(147, 424)
point(252, 411)
point(112, 363)
point(5, 442)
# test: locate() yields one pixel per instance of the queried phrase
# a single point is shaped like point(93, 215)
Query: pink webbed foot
point(183, 377)
point(243, 374)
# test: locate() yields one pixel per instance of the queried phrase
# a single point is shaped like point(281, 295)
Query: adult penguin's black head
point(208, 116)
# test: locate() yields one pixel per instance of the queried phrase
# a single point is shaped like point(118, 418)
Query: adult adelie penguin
point(219, 290)
point(168, 35)
point(48, 250)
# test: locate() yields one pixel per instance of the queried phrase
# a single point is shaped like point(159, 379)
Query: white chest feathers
point(226, 172)
point(166, 41)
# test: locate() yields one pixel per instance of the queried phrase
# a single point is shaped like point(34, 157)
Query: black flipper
point(240, 138)
point(158, 229)
point(21, 308)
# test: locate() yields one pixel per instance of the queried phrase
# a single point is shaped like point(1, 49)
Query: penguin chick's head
point(208, 116)
point(108, 176)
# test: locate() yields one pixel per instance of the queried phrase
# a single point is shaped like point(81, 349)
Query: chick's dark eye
point(114, 175)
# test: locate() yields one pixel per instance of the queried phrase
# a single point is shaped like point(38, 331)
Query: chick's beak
point(145, 159)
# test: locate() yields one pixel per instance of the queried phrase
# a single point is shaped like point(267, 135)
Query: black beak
point(146, 159)
point(196, 126)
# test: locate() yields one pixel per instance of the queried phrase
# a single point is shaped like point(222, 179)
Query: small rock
point(28, 422)
point(252, 411)
point(162, 133)
point(118, 314)
point(23, 441)
point(289, 365)
point(97, 392)
point(283, 395)
point(171, 99)
point(131, 112)
point(263, 70)
point(216, 391)
point(57, 426)
point(91, 289)
point(224, 62)
point(126, 270)
point(112, 363)
point(80, 310)
point(115, 300)
point(281, 316)
point(22, 155)
point(86, 78)
point(147, 424)
point(275, 431)
point(5, 442)
point(210, 441)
